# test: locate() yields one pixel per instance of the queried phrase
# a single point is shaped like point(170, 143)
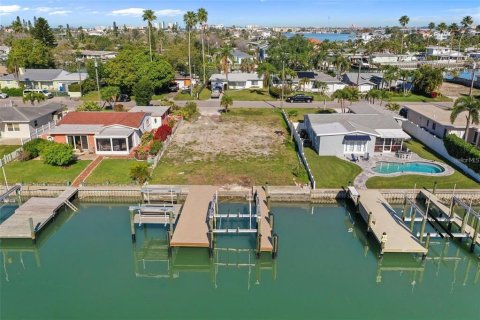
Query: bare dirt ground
point(211, 136)
point(456, 90)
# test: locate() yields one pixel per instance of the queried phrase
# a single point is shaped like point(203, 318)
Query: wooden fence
point(10, 157)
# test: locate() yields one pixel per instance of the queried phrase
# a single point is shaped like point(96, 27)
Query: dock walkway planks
point(265, 229)
point(192, 227)
point(399, 238)
point(457, 220)
point(41, 210)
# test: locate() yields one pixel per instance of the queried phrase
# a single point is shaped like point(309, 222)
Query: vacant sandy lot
point(212, 136)
point(456, 90)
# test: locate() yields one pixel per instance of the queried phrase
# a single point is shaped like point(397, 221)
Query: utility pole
point(283, 82)
point(79, 77)
point(473, 78)
point(98, 83)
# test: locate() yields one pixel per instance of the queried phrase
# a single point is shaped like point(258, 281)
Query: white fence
point(165, 145)
point(10, 157)
point(39, 131)
point(437, 145)
point(301, 152)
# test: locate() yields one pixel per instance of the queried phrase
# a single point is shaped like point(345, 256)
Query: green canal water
point(85, 266)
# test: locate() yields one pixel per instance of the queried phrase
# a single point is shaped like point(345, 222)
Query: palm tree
point(202, 16)
point(404, 20)
point(471, 106)
point(466, 22)
point(321, 86)
point(405, 75)
point(442, 27)
point(226, 101)
point(452, 29)
point(225, 55)
point(341, 64)
point(303, 82)
point(341, 95)
point(265, 70)
point(190, 19)
point(431, 27)
point(149, 15)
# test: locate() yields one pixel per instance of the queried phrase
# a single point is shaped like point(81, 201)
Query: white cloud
point(43, 9)
point(128, 12)
point(5, 10)
point(169, 12)
point(59, 12)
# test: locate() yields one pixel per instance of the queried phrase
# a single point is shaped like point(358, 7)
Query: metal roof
point(28, 114)
point(235, 76)
point(115, 132)
point(154, 111)
point(46, 75)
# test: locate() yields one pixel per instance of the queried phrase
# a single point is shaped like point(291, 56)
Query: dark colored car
point(299, 98)
point(124, 98)
point(173, 87)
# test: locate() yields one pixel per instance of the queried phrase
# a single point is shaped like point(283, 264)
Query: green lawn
point(205, 94)
point(35, 171)
point(250, 95)
point(112, 171)
point(330, 171)
point(417, 98)
point(281, 167)
point(160, 96)
point(91, 96)
point(6, 149)
point(182, 96)
point(409, 181)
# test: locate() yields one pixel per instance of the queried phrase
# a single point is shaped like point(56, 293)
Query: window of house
point(13, 127)
point(428, 122)
point(434, 126)
point(35, 123)
point(104, 145)
point(475, 137)
point(254, 83)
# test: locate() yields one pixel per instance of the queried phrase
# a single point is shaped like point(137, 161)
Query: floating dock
point(390, 232)
point(192, 228)
point(155, 213)
point(265, 227)
point(34, 214)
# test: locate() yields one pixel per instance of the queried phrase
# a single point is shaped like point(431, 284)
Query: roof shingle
point(128, 119)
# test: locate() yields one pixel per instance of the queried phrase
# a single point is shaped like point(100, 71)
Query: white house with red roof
point(103, 133)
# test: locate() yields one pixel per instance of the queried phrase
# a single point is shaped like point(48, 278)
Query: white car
point(3, 95)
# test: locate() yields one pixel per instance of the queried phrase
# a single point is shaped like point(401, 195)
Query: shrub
point(139, 172)
point(141, 153)
point(74, 87)
point(89, 106)
point(189, 111)
point(155, 148)
point(119, 108)
point(24, 156)
point(13, 92)
point(35, 147)
point(162, 133)
point(463, 151)
point(89, 85)
point(57, 154)
point(276, 92)
point(146, 138)
point(143, 92)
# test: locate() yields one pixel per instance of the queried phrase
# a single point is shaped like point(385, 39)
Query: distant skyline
point(270, 13)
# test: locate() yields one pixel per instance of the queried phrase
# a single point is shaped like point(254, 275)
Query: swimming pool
point(415, 167)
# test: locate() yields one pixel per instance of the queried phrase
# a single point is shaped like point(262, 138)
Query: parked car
point(173, 87)
point(219, 88)
point(45, 92)
point(3, 95)
point(216, 94)
point(300, 98)
point(123, 98)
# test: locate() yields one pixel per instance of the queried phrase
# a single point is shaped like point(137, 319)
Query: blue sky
point(243, 12)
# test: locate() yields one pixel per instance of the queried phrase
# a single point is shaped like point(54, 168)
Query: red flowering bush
point(162, 133)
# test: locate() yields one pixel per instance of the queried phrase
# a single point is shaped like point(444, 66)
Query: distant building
point(364, 81)
point(236, 80)
point(95, 54)
point(49, 79)
point(314, 78)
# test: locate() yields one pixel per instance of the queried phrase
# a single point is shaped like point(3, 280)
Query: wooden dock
point(383, 220)
point(192, 228)
point(265, 228)
point(33, 215)
point(155, 214)
point(455, 219)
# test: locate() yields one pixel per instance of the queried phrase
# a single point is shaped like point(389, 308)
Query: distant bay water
point(325, 36)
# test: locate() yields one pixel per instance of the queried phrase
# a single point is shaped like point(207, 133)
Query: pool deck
point(192, 228)
point(399, 238)
point(265, 228)
point(38, 210)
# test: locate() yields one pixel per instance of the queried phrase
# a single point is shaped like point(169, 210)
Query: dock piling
point(475, 234)
point(383, 242)
point(271, 219)
point(132, 227)
point(369, 223)
point(32, 229)
point(427, 246)
point(275, 246)
point(404, 208)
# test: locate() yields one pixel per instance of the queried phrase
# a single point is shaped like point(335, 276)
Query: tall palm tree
point(225, 55)
point(466, 22)
point(190, 19)
point(303, 82)
point(404, 20)
point(431, 27)
point(471, 106)
point(453, 30)
point(265, 70)
point(149, 15)
point(202, 16)
point(442, 27)
point(341, 64)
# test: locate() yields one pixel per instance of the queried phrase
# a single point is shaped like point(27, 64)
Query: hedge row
point(13, 92)
point(463, 151)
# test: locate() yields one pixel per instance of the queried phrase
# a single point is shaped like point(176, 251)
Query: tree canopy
point(132, 65)
point(42, 32)
point(29, 53)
